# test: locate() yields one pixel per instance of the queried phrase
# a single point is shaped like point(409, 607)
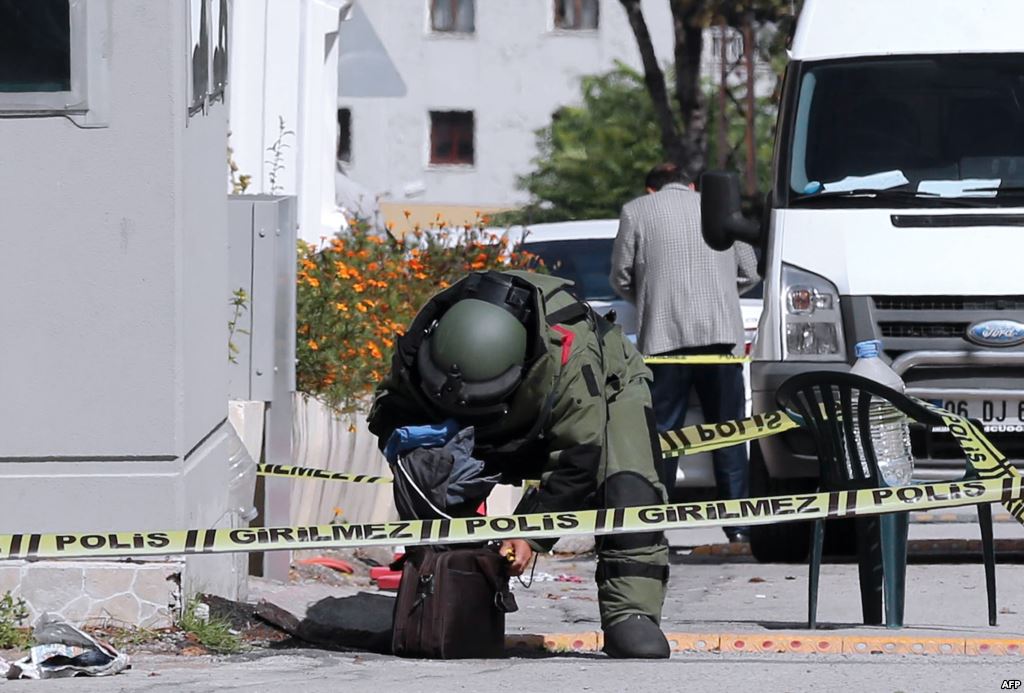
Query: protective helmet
point(472, 358)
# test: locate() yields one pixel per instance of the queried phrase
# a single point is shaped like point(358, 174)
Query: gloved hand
point(411, 437)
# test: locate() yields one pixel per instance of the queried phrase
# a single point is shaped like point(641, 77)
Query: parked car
point(582, 251)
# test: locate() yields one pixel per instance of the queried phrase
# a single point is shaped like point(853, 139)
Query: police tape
point(696, 359)
point(985, 459)
point(688, 440)
point(713, 436)
point(991, 479)
point(314, 473)
point(749, 511)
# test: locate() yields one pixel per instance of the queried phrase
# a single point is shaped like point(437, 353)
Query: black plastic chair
point(825, 400)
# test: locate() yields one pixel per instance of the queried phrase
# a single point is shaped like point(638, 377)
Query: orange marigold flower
point(342, 308)
point(358, 288)
point(360, 307)
point(313, 281)
point(313, 345)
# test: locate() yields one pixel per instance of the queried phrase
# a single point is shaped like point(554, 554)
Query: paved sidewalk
point(720, 599)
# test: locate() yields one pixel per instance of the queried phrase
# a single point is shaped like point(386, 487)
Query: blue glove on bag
point(411, 437)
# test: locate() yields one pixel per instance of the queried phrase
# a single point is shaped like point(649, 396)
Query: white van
point(582, 251)
point(897, 213)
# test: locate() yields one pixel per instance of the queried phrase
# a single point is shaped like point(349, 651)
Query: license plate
point(999, 415)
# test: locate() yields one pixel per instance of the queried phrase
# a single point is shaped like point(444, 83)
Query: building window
point(35, 46)
point(577, 15)
point(451, 137)
point(46, 65)
point(344, 135)
point(453, 16)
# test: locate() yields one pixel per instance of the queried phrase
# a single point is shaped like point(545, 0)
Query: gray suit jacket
point(686, 294)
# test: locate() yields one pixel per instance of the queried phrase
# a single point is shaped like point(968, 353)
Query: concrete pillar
point(113, 263)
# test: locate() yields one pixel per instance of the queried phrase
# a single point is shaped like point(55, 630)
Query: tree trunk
point(689, 19)
point(654, 79)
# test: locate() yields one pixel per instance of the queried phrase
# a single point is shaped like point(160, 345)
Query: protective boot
point(635, 637)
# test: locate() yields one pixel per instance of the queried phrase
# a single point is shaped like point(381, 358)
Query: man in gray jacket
point(687, 301)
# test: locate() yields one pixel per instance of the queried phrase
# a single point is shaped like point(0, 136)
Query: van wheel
point(787, 542)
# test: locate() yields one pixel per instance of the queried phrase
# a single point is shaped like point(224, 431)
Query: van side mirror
point(722, 221)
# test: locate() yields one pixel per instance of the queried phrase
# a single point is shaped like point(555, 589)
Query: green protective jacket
point(556, 426)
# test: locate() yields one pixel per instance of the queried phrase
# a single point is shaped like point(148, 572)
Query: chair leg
point(817, 540)
point(894, 566)
point(869, 561)
point(988, 549)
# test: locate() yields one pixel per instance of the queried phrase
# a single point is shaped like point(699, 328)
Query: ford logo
point(996, 333)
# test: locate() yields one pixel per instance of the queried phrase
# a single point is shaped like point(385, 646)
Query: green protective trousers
point(633, 568)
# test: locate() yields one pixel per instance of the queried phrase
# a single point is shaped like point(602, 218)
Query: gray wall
point(113, 265)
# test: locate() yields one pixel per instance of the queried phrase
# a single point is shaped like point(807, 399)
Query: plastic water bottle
point(890, 432)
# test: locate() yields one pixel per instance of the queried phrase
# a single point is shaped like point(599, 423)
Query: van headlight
point(813, 322)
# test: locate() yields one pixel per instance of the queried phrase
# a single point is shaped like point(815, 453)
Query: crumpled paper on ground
point(64, 651)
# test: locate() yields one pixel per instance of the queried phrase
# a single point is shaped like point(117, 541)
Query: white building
point(439, 99)
point(284, 67)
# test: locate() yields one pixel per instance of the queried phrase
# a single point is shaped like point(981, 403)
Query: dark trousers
point(720, 391)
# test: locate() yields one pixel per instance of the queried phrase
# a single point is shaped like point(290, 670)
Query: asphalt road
point(316, 671)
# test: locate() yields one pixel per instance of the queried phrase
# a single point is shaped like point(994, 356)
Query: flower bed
point(358, 291)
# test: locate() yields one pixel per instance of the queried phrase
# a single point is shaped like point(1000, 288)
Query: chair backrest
point(835, 407)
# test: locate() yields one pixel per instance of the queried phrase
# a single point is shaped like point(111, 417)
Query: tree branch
point(689, 19)
point(654, 80)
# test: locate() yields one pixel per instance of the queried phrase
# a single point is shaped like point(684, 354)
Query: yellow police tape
point(712, 436)
point(997, 481)
point(313, 473)
point(748, 511)
point(696, 359)
point(689, 440)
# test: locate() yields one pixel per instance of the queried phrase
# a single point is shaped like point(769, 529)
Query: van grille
point(949, 302)
point(923, 330)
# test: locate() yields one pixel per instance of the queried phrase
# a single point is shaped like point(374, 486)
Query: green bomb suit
point(579, 420)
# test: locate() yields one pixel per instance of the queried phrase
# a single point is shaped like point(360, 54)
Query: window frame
point(431, 28)
point(454, 162)
point(85, 102)
point(555, 27)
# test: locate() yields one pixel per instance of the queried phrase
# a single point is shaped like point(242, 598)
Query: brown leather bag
point(451, 604)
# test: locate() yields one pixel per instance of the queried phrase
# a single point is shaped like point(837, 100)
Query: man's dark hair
point(663, 174)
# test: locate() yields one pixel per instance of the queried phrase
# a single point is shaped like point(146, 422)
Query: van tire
point(787, 542)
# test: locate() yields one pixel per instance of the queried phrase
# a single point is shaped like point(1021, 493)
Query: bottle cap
point(868, 349)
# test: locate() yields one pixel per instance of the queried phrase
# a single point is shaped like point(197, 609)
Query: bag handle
point(494, 572)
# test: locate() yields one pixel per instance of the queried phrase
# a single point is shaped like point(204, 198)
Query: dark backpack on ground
point(451, 604)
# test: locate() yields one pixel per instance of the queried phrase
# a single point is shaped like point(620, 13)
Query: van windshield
point(923, 129)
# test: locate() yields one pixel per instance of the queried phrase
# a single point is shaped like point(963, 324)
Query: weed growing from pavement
point(212, 633)
point(13, 613)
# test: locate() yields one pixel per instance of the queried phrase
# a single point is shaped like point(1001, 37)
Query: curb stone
point(784, 643)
